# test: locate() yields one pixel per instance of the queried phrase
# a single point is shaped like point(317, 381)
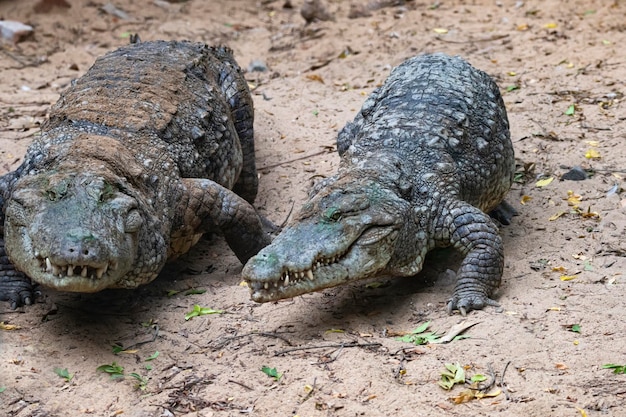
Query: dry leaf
point(544, 182)
point(561, 366)
point(315, 77)
point(525, 199)
point(4, 326)
point(523, 27)
point(559, 269)
point(592, 154)
point(573, 199)
point(440, 31)
point(556, 216)
point(567, 277)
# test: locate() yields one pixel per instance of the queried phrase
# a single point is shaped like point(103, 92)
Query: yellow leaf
point(523, 27)
point(512, 73)
point(464, 396)
point(576, 342)
point(567, 277)
point(544, 182)
point(495, 393)
point(554, 309)
point(315, 77)
point(440, 31)
point(243, 284)
point(592, 154)
point(573, 199)
point(556, 216)
point(594, 143)
point(583, 413)
point(525, 199)
point(550, 25)
point(4, 326)
point(335, 331)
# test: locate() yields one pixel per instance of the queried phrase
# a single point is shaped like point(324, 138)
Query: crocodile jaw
point(82, 241)
point(272, 275)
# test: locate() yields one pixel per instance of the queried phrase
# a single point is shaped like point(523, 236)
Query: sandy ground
point(337, 350)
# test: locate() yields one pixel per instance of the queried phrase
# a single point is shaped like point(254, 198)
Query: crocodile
point(427, 156)
point(147, 151)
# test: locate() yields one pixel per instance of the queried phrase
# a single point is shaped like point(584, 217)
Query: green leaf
point(617, 369)
point(271, 372)
point(478, 378)
point(570, 110)
point(453, 374)
point(153, 356)
point(148, 367)
point(171, 293)
point(117, 348)
point(512, 88)
point(2, 389)
point(575, 328)
point(194, 291)
point(64, 373)
point(201, 311)
point(115, 370)
point(419, 336)
point(141, 381)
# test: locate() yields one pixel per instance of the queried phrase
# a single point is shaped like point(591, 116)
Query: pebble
point(13, 31)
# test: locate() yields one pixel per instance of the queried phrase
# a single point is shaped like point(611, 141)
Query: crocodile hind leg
point(475, 235)
point(15, 287)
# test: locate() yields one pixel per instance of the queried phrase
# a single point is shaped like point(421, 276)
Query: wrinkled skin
point(147, 151)
point(427, 156)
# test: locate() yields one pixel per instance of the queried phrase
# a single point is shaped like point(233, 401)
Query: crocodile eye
point(332, 214)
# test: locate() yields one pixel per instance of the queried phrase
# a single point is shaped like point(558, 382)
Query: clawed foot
point(468, 302)
point(17, 289)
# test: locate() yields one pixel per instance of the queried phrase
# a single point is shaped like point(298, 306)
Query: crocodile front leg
point(206, 205)
point(475, 235)
point(15, 287)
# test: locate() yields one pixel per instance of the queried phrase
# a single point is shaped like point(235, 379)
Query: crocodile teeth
point(48, 265)
point(83, 273)
point(266, 286)
point(70, 270)
point(101, 271)
point(309, 274)
point(56, 270)
point(287, 279)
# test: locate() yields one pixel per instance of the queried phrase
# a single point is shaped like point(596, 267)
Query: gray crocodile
point(423, 161)
point(147, 151)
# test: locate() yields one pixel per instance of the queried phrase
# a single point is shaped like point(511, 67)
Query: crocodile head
point(346, 232)
point(72, 231)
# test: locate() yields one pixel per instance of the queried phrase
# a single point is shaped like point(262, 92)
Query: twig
point(264, 334)
point(492, 38)
point(502, 384)
point(154, 336)
point(294, 160)
point(340, 345)
point(241, 384)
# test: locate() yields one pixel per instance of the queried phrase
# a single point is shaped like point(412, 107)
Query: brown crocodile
point(147, 151)
point(423, 161)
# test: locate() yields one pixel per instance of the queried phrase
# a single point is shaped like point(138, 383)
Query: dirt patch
point(560, 66)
